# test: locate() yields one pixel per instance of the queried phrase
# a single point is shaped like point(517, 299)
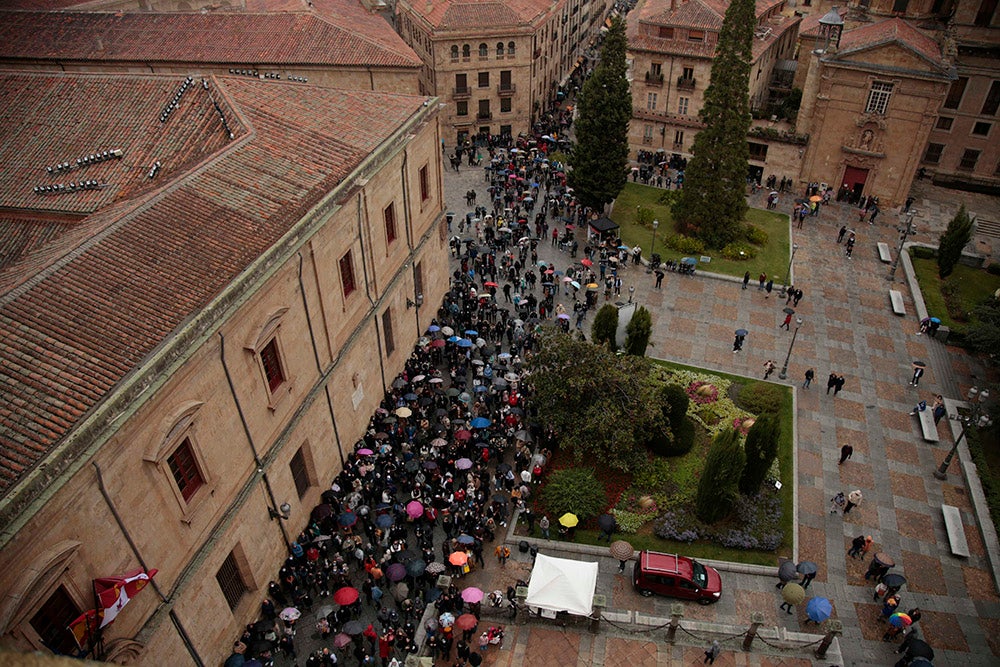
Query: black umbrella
point(894, 580)
point(917, 363)
point(413, 465)
point(920, 649)
point(415, 568)
point(788, 311)
point(263, 626)
point(502, 469)
point(259, 646)
point(398, 383)
point(353, 627)
point(920, 662)
point(406, 556)
point(321, 512)
point(807, 567)
point(606, 522)
point(741, 332)
point(787, 571)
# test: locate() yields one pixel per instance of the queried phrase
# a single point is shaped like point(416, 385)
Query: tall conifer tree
point(713, 200)
point(600, 155)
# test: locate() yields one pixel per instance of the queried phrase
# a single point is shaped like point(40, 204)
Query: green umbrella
point(793, 593)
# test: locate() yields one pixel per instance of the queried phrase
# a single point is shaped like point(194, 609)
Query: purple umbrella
point(396, 572)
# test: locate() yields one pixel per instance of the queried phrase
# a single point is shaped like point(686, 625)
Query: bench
point(956, 530)
point(896, 298)
point(883, 252)
point(927, 425)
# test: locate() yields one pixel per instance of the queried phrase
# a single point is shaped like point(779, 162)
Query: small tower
point(831, 26)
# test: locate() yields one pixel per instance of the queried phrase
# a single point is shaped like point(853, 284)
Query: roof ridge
point(364, 37)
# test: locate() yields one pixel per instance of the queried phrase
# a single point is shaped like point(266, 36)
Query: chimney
point(99, 43)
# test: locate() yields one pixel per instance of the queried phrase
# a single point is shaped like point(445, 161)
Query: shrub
point(720, 477)
point(920, 252)
point(761, 447)
point(668, 197)
point(993, 269)
point(675, 403)
point(605, 327)
point(688, 245)
point(637, 332)
point(761, 397)
point(574, 490)
point(756, 235)
point(733, 250)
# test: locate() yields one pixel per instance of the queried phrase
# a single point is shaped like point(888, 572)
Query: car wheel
point(704, 601)
point(644, 592)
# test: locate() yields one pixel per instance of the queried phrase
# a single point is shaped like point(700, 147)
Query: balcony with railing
point(654, 78)
point(461, 92)
point(484, 115)
point(506, 89)
point(684, 83)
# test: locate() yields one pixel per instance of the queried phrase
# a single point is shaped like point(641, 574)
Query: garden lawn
point(772, 259)
point(970, 287)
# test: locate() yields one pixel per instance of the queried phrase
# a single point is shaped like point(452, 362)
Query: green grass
point(772, 259)
point(970, 287)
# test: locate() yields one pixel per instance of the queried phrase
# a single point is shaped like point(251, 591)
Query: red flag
point(114, 593)
point(84, 627)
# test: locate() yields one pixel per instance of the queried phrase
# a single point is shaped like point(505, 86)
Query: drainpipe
point(409, 235)
point(368, 293)
point(319, 365)
point(249, 436)
point(182, 633)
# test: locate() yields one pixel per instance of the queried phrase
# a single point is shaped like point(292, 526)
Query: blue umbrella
point(480, 422)
point(433, 328)
point(464, 342)
point(480, 388)
point(410, 397)
point(471, 332)
point(466, 539)
point(347, 519)
point(384, 520)
point(818, 609)
point(453, 339)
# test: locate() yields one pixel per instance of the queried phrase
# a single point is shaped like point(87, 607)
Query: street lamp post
point(656, 223)
point(904, 232)
point(788, 272)
point(784, 368)
point(977, 399)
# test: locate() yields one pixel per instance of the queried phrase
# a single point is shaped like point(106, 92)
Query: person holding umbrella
point(786, 572)
point(853, 500)
point(741, 335)
point(791, 595)
point(808, 570)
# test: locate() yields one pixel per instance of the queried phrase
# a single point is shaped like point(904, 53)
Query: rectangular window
point(984, 17)
point(300, 472)
point(347, 274)
point(955, 92)
point(682, 105)
point(647, 132)
point(696, 35)
point(981, 129)
point(944, 123)
point(666, 33)
point(52, 620)
point(462, 108)
point(389, 216)
point(688, 73)
point(271, 360)
point(933, 153)
point(651, 101)
point(678, 138)
point(484, 79)
point(969, 159)
point(899, 6)
point(758, 151)
point(390, 343)
point(425, 184)
point(184, 468)
point(992, 100)
point(878, 98)
point(505, 104)
point(231, 581)
point(656, 69)
point(484, 109)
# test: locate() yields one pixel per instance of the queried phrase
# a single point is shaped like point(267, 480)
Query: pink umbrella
point(463, 434)
point(340, 640)
point(472, 595)
point(414, 509)
point(364, 451)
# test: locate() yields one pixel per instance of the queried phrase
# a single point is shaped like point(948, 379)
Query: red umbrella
point(458, 558)
point(466, 622)
point(586, 262)
point(438, 342)
point(490, 284)
point(463, 434)
point(345, 596)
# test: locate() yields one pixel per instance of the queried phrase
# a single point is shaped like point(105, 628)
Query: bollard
point(676, 613)
point(600, 602)
point(833, 628)
point(756, 620)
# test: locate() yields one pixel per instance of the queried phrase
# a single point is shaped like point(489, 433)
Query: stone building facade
point(195, 349)
point(495, 66)
point(671, 44)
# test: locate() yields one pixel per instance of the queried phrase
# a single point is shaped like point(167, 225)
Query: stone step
point(988, 228)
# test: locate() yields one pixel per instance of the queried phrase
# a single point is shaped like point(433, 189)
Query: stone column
point(756, 620)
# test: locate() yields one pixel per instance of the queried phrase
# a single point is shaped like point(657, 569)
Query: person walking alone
point(845, 453)
point(788, 320)
point(768, 368)
point(810, 374)
point(853, 500)
point(746, 279)
point(711, 653)
point(918, 372)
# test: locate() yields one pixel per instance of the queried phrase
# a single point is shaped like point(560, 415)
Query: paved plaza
point(849, 329)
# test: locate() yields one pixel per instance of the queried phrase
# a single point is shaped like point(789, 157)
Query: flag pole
point(95, 634)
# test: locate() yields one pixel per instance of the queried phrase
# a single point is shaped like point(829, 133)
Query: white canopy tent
point(559, 584)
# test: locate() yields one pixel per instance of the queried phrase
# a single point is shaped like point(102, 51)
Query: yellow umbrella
point(793, 594)
point(568, 519)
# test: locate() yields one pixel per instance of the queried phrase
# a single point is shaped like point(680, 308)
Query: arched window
point(499, 49)
point(454, 52)
point(510, 48)
point(466, 51)
point(484, 51)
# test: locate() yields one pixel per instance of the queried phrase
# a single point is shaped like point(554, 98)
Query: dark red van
point(677, 577)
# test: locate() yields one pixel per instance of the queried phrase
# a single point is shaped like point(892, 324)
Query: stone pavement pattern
point(849, 329)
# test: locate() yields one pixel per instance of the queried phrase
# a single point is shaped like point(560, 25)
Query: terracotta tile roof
point(466, 14)
point(21, 235)
point(894, 30)
point(698, 14)
point(81, 313)
point(810, 23)
point(237, 38)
